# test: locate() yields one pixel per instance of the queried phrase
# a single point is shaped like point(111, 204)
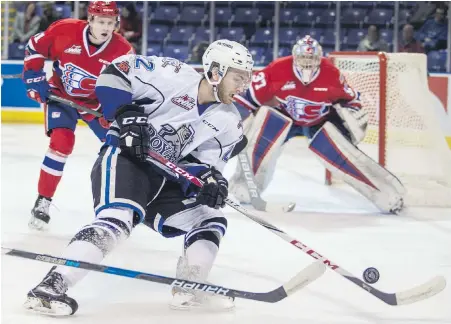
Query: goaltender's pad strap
point(334, 155)
point(271, 126)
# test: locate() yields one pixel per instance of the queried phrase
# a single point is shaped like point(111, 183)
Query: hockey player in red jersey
point(312, 99)
point(80, 51)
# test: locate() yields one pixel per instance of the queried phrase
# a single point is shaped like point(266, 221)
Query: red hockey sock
point(48, 183)
point(62, 141)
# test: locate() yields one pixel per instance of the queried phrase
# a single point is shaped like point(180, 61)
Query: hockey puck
point(371, 275)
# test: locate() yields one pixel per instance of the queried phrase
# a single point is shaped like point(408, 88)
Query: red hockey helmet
point(103, 8)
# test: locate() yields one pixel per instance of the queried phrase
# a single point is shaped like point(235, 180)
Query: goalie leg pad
point(357, 169)
point(266, 133)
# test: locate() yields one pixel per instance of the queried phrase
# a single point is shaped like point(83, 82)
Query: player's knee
point(62, 140)
point(212, 230)
point(109, 228)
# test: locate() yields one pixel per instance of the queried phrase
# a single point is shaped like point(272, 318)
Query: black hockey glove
point(215, 188)
point(134, 135)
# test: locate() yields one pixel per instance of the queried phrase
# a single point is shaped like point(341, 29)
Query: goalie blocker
point(334, 143)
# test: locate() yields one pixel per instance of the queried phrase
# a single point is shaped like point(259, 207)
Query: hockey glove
point(134, 135)
point(215, 189)
point(355, 121)
point(103, 122)
point(38, 88)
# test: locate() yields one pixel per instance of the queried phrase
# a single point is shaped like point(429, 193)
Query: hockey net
point(404, 133)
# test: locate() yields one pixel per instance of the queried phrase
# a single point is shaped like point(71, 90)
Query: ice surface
point(340, 224)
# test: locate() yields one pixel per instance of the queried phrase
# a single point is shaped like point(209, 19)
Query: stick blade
point(277, 208)
point(305, 277)
point(424, 291)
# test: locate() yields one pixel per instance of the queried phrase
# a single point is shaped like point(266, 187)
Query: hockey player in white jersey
point(163, 105)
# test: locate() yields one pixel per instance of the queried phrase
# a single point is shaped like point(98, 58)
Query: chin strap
point(215, 93)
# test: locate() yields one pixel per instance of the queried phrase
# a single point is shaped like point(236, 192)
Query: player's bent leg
point(121, 190)
point(171, 214)
point(266, 133)
point(200, 251)
point(91, 244)
point(357, 169)
point(60, 126)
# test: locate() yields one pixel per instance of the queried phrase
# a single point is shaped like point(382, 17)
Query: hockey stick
point(74, 105)
point(421, 292)
point(302, 279)
point(12, 76)
point(58, 99)
point(252, 189)
point(418, 293)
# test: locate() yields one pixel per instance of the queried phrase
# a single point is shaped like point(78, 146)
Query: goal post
point(404, 133)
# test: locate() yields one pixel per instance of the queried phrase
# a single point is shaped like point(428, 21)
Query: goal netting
point(404, 133)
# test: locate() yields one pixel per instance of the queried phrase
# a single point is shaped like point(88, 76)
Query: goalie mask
point(307, 54)
point(222, 55)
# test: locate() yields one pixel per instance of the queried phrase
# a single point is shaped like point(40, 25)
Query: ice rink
point(407, 249)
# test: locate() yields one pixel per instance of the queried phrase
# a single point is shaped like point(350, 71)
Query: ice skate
point(49, 297)
point(186, 299)
point(40, 214)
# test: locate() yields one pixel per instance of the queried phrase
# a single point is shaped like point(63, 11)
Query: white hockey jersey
point(168, 91)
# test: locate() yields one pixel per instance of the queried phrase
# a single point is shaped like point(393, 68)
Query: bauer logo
point(225, 44)
point(50, 259)
point(201, 287)
point(248, 175)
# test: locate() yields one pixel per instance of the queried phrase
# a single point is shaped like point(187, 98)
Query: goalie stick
point(302, 279)
point(420, 292)
point(417, 293)
point(12, 76)
point(256, 200)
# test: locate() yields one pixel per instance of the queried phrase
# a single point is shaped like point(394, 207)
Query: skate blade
point(188, 302)
point(54, 308)
point(37, 224)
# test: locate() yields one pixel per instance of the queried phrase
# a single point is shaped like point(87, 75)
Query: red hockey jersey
point(76, 63)
point(307, 105)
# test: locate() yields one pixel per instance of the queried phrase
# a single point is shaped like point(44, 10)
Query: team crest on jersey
point(168, 61)
point(170, 142)
point(123, 66)
point(290, 85)
point(77, 82)
point(75, 49)
point(304, 110)
point(186, 102)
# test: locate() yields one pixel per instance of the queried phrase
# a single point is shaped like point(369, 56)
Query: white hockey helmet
point(224, 54)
